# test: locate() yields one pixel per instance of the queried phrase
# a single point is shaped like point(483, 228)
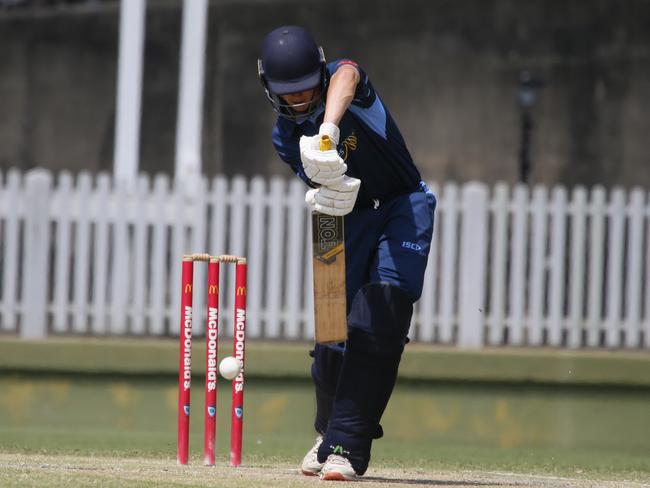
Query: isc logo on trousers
point(411, 245)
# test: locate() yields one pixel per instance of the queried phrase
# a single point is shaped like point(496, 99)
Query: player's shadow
point(430, 482)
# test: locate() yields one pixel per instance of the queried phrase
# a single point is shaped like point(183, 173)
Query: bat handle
point(325, 143)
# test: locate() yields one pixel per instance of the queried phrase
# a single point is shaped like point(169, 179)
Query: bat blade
point(329, 279)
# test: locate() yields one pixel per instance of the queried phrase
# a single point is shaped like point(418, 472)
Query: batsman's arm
point(340, 93)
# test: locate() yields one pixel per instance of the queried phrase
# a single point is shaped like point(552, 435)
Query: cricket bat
point(331, 324)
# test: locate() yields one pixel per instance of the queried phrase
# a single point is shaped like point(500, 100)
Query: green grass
point(264, 359)
point(563, 431)
point(94, 405)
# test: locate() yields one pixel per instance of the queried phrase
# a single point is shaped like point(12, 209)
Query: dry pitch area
point(23, 470)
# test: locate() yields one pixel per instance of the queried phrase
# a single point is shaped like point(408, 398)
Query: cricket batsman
point(372, 181)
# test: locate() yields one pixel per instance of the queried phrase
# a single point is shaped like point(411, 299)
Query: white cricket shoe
point(338, 468)
point(310, 465)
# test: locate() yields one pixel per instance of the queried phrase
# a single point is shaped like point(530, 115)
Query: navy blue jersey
point(370, 143)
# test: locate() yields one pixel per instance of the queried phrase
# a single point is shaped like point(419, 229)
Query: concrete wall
point(448, 70)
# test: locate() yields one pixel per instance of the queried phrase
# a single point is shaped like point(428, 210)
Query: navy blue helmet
point(292, 62)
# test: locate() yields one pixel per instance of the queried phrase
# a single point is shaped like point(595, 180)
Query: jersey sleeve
point(366, 104)
point(290, 154)
point(364, 95)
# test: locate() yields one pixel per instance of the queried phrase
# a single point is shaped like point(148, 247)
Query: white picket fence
point(507, 267)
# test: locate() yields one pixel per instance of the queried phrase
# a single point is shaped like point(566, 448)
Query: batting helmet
point(291, 62)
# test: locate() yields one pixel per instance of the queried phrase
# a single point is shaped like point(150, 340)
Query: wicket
point(212, 341)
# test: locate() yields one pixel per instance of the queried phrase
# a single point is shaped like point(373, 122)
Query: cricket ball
point(230, 367)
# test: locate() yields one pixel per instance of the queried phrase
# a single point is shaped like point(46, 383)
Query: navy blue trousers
point(386, 256)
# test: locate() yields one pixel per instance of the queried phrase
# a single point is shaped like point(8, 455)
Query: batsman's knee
point(379, 319)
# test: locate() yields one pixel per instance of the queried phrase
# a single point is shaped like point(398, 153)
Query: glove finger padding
point(324, 159)
point(332, 176)
point(309, 143)
point(309, 198)
point(321, 167)
point(337, 201)
point(324, 168)
point(348, 185)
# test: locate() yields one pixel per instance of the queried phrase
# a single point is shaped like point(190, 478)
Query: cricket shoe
point(338, 468)
point(310, 465)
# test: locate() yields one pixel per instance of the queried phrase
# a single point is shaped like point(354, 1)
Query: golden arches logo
point(188, 288)
point(241, 290)
point(213, 290)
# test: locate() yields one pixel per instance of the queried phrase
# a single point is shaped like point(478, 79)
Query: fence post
point(38, 185)
point(472, 265)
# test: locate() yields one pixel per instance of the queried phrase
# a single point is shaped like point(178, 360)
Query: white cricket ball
point(229, 367)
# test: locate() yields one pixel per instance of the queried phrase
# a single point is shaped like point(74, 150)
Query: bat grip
point(325, 143)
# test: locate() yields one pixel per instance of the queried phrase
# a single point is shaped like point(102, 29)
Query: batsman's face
point(300, 101)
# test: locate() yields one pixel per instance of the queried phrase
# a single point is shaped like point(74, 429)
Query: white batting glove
point(330, 130)
point(323, 167)
point(337, 201)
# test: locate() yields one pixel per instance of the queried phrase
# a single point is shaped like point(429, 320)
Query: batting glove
point(330, 130)
point(322, 167)
point(337, 201)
